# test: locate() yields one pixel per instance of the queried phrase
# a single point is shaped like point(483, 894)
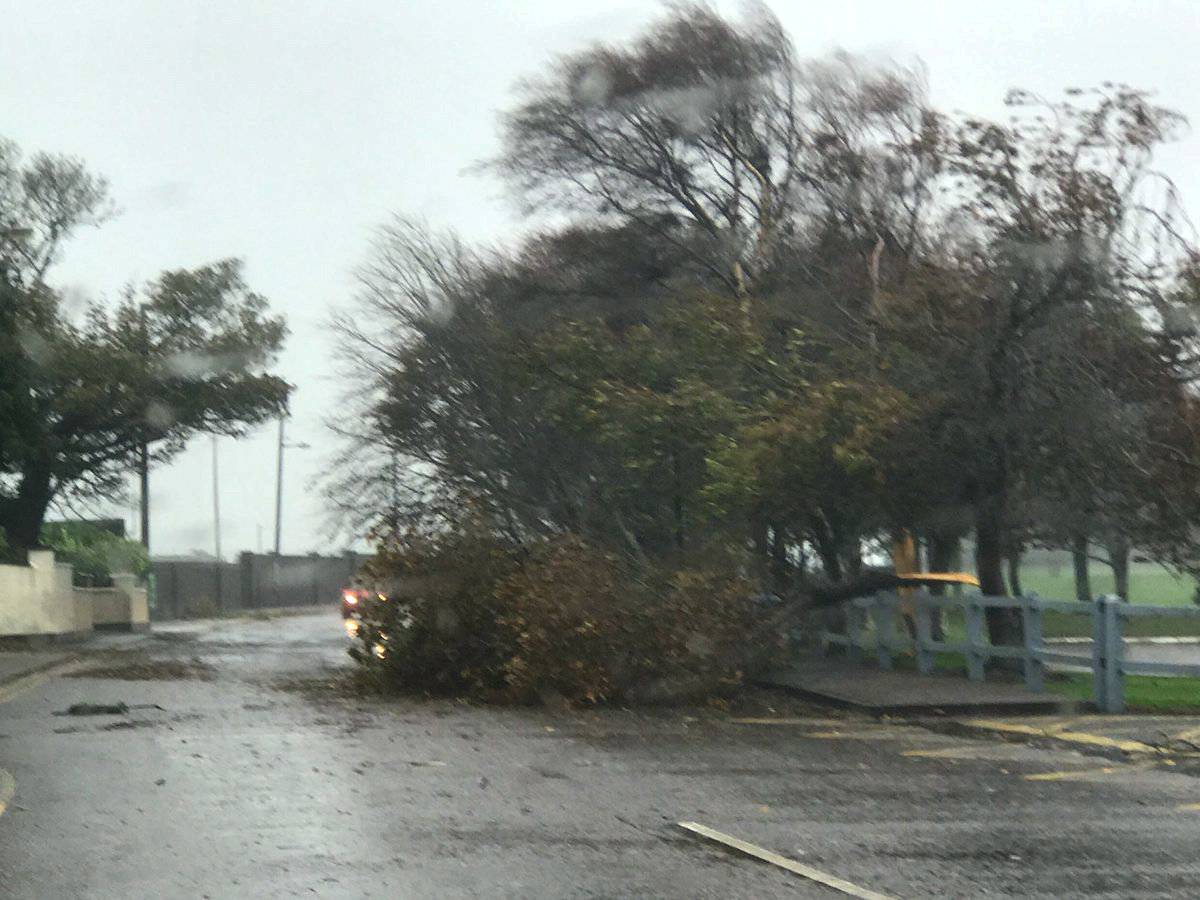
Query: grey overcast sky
point(282, 131)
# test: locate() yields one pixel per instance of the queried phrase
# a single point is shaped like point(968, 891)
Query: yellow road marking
point(798, 868)
point(1078, 737)
point(1190, 734)
point(784, 721)
point(1084, 774)
point(19, 685)
point(8, 787)
point(1188, 807)
point(965, 752)
point(1070, 774)
point(888, 732)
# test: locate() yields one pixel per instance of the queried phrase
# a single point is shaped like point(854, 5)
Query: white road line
point(797, 868)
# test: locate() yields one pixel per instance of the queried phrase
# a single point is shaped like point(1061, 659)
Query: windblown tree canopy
point(793, 313)
point(715, 125)
point(80, 392)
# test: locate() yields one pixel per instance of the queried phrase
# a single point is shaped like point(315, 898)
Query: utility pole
point(216, 501)
point(283, 445)
point(144, 448)
point(144, 477)
point(279, 487)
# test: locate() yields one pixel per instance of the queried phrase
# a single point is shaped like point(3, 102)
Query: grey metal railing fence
point(871, 628)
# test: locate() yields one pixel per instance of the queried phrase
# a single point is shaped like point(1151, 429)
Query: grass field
point(1148, 583)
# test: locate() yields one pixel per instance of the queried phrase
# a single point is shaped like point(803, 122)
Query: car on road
point(353, 599)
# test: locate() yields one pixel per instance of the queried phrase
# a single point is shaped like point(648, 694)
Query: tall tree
point(793, 305)
point(714, 124)
point(1064, 258)
point(78, 395)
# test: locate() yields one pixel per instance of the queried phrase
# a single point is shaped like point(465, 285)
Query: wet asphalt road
point(245, 785)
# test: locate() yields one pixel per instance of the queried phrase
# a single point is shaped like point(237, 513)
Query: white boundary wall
point(39, 600)
point(122, 606)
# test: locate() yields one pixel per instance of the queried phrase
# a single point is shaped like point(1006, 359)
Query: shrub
point(432, 626)
point(94, 552)
point(558, 620)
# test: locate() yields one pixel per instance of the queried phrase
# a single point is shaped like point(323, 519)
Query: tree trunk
point(1004, 625)
point(853, 563)
point(21, 516)
point(944, 555)
point(827, 550)
point(1118, 556)
point(1079, 559)
point(1014, 571)
point(779, 560)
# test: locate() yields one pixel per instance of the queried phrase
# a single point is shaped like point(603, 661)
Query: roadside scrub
point(557, 621)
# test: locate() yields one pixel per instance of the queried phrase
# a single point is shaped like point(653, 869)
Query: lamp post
point(216, 502)
point(279, 481)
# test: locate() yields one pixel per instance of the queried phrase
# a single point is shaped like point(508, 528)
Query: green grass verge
point(1148, 583)
point(1143, 693)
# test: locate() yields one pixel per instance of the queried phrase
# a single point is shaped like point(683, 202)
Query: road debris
point(95, 709)
point(798, 868)
point(119, 708)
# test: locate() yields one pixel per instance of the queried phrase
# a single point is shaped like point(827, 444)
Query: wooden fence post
point(924, 633)
point(1099, 681)
point(885, 627)
point(974, 620)
point(1114, 678)
point(1031, 610)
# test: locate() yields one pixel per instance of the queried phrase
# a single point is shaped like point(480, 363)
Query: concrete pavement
point(243, 770)
point(868, 689)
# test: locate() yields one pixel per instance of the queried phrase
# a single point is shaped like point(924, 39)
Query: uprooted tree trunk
point(819, 595)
